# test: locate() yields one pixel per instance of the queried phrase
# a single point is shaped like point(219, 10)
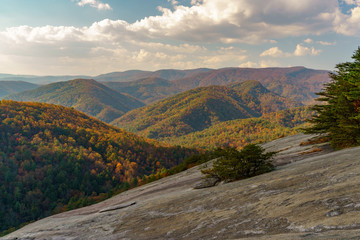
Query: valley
point(196, 119)
point(56, 159)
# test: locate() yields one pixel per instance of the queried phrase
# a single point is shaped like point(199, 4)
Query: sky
point(92, 37)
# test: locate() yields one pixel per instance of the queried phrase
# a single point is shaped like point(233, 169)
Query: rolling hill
point(297, 83)
point(147, 90)
point(240, 132)
point(10, 87)
point(54, 158)
point(84, 95)
point(198, 109)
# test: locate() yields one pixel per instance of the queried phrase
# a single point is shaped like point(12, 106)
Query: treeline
point(54, 159)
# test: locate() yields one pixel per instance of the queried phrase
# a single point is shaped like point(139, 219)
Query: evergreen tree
point(339, 117)
point(235, 165)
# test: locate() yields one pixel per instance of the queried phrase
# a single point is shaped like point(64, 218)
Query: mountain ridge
point(195, 110)
point(86, 95)
point(11, 87)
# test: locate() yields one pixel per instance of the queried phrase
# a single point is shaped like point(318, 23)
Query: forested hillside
point(10, 87)
point(147, 89)
point(84, 95)
point(201, 108)
point(54, 158)
point(240, 132)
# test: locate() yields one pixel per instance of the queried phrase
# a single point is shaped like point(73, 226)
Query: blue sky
point(91, 37)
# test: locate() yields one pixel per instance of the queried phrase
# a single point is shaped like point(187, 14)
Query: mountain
point(316, 197)
point(261, 98)
point(147, 90)
point(85, 95)
point(240, 132)
point(10, 87)
point(54, 158)
point(38, 79)
point(297, 83)
point(195, 110)
point(132, 75)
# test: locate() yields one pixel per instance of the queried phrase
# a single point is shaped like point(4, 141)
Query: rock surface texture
point(311, 195)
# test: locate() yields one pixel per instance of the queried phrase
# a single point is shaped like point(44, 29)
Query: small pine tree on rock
point(234, 165)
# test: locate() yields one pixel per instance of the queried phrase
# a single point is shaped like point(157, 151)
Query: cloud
point(299, 51)
point(274, 52)
point(173, 2)
point(238, 21)
point(326, 43)
point(304, 51)
point(117, 44)
point(231, 21)
point(308, 40)
point(95, 4)
point(102, 47)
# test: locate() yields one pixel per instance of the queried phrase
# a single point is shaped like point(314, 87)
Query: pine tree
point(339, 117)
point(235, 165)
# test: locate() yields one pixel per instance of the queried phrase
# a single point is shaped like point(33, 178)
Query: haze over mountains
point(111, 99)
point(168, 74)
point(10, 87)
point(298, 83)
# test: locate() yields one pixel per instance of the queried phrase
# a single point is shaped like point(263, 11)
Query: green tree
point(339, 117)
point(235, 165)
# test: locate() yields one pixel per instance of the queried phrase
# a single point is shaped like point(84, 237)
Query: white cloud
point(299, 51)
point(223, 21)
point(95, 4)
point(143, 44)
point(304, 51)
point(173, 2)
point(274, 52)
point(326, 43)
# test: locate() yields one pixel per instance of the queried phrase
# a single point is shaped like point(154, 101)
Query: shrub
point(235, 165)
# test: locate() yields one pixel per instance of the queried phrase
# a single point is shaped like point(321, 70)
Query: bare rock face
point(315, 196)
point(207, 182)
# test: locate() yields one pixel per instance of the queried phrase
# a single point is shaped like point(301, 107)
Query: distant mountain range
point(40, 79)
point(298, 83)
point(262, 90)
point(85, 95)
point(199, 108)
point(10, 87)
point(167, 74)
